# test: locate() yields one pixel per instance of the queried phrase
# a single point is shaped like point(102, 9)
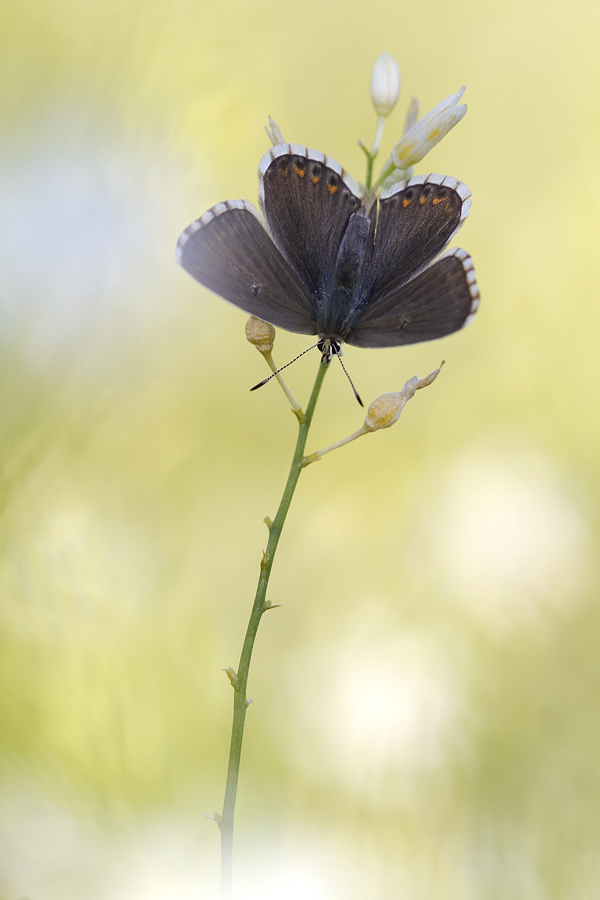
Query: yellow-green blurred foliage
point(425, 721)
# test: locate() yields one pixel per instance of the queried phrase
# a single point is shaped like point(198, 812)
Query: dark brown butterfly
point(332, 263)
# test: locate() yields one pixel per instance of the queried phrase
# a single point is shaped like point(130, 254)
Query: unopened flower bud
point(429, 131)
point(274, 132)
point(261, 334)
point(386, 409)
point(412, 114)
point(385, 84)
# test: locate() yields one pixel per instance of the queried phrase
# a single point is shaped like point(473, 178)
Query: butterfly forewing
point(229, 252)
point(409, 229)
point(308, 201)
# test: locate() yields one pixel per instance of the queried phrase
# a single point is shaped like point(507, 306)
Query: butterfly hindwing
point(437, 302)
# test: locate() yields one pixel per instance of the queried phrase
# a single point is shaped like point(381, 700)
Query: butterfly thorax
point(342, 291)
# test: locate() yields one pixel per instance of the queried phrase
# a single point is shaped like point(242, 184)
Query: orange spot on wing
point(332, 188)
point(299, 171)
point(405, 202)
point(316, 178)
point(422, 199)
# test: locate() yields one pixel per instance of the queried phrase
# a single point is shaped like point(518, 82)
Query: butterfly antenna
point(265, 380)
point(356, 394)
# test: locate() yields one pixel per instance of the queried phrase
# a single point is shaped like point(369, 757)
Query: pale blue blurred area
point(424, 719)
point(88, 219)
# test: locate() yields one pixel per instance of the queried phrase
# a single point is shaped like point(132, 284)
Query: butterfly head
point(329, 347)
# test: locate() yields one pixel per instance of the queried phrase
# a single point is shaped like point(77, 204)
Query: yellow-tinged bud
point(429, 379)
point(385, 84)
point(261, 334)
point(386, 409)
point(422, 136)
point(382, 412)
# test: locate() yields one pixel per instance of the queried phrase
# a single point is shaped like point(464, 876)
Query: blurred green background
point(426, 716)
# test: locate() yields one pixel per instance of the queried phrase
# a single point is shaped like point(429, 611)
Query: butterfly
point(327, 261)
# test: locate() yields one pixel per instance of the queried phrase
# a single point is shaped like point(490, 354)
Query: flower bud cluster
point(419, 137)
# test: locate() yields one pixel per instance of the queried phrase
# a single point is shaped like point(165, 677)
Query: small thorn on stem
point(269, 605)
point(233, 677)
point(216, 817)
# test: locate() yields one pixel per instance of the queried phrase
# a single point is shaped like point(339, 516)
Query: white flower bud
point(429, 131)
point(261, 334)
point(274, 132)
point(385, 84)
point(412, 114)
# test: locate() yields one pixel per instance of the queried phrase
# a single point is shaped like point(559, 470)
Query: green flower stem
point(318, 454)
point(239, 680)
point(372, 153)
point(384, 174)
